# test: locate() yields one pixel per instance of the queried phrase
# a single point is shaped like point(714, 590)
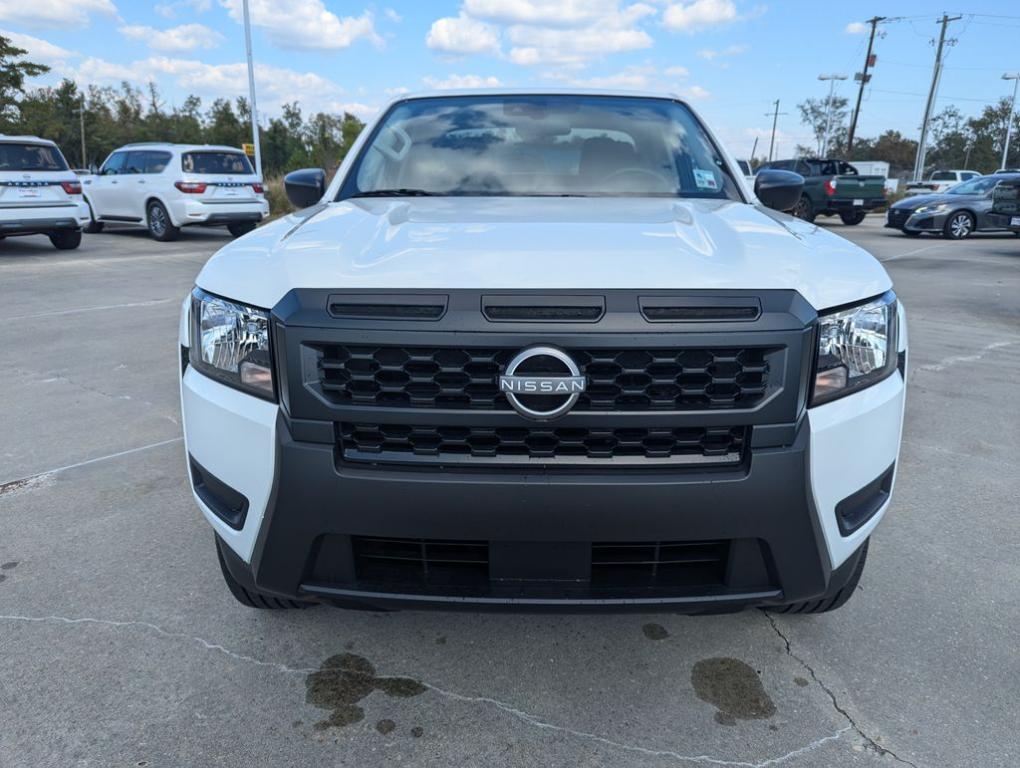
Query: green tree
point(817, 114)
point(13, 71)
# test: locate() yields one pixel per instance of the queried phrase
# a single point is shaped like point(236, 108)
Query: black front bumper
point(38, 226)
point(839, 205)
point(538, 533)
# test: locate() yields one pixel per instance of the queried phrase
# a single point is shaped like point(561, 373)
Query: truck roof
point(25, 139)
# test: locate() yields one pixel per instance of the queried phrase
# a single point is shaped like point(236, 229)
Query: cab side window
point(135, 162)
point(155, 162)
point(114, 164)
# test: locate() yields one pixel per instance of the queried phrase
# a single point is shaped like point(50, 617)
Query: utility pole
point(868, 63)
point(1015, 77)
point(251, 93)
point(936, 75)
point(775, 118)
point(828, 110)
point(81, 126)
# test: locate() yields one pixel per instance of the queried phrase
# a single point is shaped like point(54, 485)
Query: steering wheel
point(665, 182)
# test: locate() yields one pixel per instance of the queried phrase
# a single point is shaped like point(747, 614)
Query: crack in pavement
point(872, 744)
point(509, 709)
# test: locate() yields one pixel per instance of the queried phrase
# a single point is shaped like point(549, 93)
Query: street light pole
point(828, 110)
point(1015, 77)
point(81, 125)
point(251, 92)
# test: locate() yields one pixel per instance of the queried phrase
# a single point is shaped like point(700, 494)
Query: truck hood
point(543, 243)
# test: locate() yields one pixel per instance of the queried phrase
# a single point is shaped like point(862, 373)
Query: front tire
point(160, 226)
point(66, 240)
point(852, 218)
point(958, 226)
point(247, 595)
point(240, 228)
point(804, 209)
point(841, 588)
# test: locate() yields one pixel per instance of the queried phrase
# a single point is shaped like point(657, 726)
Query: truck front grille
point(618, 379)
point(396, 443)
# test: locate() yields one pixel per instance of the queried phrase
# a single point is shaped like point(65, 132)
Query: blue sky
point(730, 58)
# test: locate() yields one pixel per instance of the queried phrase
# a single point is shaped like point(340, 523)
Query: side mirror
point(779, 190)
point(305, 187)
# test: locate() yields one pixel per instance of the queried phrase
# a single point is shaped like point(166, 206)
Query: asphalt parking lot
point(120, 645)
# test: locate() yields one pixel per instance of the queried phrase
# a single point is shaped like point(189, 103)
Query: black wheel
point(958, 226)
point(841, 588)
point(66, 240)
point(241, 228)
point(852, 217)
point(160, 226)
point(804, 209)
point(94, 227)
point(910, 232)
point(246, 594)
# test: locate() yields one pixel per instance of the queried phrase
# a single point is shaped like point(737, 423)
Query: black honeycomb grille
point(539, 444)
point(618, 379)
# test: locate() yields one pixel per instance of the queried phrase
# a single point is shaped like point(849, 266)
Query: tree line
point(957, 141)
point(113, 117)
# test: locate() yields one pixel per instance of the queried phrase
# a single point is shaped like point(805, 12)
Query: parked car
point(957, 213)
point(938, 182)
point(39, 193)
point(530, 350)
point(833, 187)
point(168, 186)
point(1005, 211)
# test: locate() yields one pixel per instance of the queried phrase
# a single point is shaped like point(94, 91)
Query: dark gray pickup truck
point(833, 187)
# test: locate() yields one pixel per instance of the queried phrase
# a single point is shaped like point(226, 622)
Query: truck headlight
point(230, 343)
point(856, 348)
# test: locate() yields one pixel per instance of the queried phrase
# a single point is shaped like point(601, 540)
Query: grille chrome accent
point(618, 379)
point(541, 445)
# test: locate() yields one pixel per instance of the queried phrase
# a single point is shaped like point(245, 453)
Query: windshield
point(216, 162)
point(540, 146)
point(30, 157)
point(978, 186)
point(943, 176)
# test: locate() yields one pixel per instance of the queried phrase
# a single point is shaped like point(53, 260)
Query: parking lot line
point(77, 310)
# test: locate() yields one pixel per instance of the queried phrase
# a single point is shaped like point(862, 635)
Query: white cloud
point(169, 10)
point(461, 81)
point(562, 32)
point(186, 37)
point(698, 15)
point(54, 13)
point(856, 28)
point(695, 93)
point(39, 50)
point(399, 90)
point(733, 50)
point(393, 16)
point(462, 35)
point(678, 72)
point(305, 24)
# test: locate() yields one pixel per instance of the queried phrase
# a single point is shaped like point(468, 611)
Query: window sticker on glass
point(705, 179)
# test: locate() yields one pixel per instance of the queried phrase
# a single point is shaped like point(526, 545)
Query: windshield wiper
point(402, 192)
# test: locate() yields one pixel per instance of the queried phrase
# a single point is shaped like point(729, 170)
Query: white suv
point(169, 186)
point(39, 193)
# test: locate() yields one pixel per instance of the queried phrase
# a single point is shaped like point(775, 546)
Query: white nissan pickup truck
point(542, 350)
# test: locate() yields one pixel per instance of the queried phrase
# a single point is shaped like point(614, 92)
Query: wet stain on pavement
point(344, 680)
point(655, 631)
point(801, 681)
point(7, 567)
point(385, 726)
point(417, 731)
point(733, 688)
